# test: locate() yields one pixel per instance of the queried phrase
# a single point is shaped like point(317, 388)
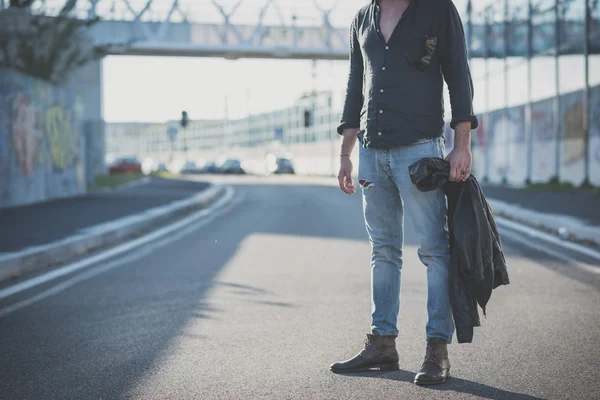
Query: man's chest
point(401, 33)
point(389, 17)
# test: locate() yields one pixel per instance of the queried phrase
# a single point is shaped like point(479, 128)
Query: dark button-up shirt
point(395, 89)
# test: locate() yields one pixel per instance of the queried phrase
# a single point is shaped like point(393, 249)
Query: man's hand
point(460, 156)
point(460, 164)
point(345, 176)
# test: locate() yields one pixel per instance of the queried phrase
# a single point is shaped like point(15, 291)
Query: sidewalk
point(40, 235)
point(48, 222)
point(573, 215)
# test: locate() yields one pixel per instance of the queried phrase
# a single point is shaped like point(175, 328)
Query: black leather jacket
point(477, 260)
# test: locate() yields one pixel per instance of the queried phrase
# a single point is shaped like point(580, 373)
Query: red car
point(125, 165)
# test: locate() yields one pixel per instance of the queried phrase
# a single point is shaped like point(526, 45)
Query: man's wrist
point(462, 135)
point(350, 131)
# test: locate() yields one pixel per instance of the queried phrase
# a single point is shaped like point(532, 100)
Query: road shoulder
point(19, 263)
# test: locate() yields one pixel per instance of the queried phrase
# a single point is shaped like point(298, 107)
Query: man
point(400, 53)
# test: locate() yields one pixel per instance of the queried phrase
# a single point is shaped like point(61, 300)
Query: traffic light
point(184, 119)
point(307, 118)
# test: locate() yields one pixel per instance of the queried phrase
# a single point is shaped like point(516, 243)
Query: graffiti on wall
point(544, 140)
point(595, 135)
point(502, 138)
point(595, 122)
point(57, 124)
point(542, 120)
point(24, 131)
point(40, 133)
point(573, 128)
point(40, 141)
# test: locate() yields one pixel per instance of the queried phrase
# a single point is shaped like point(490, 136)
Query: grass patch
point(112, 181)
point(164, 175)
point(552, 187)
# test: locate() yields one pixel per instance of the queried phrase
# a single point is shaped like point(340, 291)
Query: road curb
point(565, 227)
point(139, 182)
point(16, 264)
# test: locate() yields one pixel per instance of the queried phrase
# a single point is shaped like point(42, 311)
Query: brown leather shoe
point(379, 353)
point(436, 366)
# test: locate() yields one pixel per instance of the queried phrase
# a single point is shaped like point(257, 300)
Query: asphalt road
point(257, 303)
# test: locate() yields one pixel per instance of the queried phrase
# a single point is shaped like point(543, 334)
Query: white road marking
point(524, 240)
point(204, 216)
point(535, 233)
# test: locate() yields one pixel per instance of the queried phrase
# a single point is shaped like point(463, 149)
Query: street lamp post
point(528, 110)
point(507, 143)
point(469, 28)
point(184, 123)
point(557, 26)
point(587, 93)
point(487, 43)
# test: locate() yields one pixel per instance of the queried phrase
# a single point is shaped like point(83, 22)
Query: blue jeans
point(387, 190)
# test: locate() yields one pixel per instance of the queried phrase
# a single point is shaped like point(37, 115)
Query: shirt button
point(383, 68)
point(379, 133)
point(380, 111)
point(380, 90)
point(387, 47)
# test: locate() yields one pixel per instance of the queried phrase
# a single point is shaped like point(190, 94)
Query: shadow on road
point(452, 385)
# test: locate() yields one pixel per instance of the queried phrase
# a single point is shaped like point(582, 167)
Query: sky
point(156, 89)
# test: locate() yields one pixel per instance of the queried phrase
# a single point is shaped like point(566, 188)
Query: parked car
point(150, 166)
point(210, 168)
point(231, 166)
point(280, 166)
point(191, 167)
point(125, 165)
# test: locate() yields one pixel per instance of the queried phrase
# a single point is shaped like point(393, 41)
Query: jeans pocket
point(441, 147)
point(367, 165)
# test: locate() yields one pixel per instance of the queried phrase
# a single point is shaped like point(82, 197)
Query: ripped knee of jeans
point(365, 184)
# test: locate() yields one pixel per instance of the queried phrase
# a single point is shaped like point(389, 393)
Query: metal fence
point(539, 76)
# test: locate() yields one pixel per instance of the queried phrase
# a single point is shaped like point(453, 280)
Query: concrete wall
point(46, 132)
point(87, 83)
point(501, 148)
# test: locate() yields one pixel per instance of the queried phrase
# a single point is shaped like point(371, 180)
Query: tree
point(44, 46)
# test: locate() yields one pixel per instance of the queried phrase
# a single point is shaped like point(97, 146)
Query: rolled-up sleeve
point(354, 90)
point(455, 67)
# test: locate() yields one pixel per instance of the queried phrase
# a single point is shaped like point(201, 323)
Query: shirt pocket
point(420, 50)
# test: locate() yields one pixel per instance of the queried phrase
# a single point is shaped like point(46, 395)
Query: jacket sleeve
point(455, 67)
point(354, 97)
